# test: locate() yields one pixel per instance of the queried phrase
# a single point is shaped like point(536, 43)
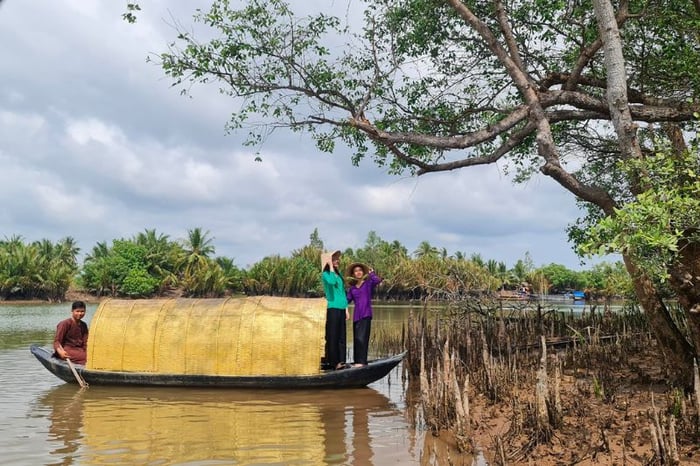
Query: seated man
point(72, 335)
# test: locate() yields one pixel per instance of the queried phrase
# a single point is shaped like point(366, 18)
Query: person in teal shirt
point(336, 309)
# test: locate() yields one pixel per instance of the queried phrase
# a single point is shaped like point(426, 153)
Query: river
point(46, 421)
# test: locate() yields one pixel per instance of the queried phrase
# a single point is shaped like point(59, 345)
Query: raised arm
point(374, 279)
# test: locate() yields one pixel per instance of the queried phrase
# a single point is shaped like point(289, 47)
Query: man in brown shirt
point(72, 335)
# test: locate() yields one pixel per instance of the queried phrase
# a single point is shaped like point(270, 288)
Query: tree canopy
point(575, 91)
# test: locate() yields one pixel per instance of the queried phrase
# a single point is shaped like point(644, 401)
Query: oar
point(81, 381)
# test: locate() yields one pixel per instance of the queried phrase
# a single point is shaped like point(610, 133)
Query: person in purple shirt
point(362, 281)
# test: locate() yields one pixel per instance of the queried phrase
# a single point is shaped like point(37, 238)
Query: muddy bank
point(593, 391)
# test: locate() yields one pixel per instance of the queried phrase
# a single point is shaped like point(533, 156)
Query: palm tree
point(161, 255)
point(399, 249)
point(425, 250)
point(67, 251)
point(198, 243)
point(99, 251)
point(503, 275)
point(151, 239)
point(195, 266)
point(233, 275)
point(520, 271)
point(45, 248)
point(477, 259)
point(492, 267)
point(12, 243)
point(197, 248)
point(22, 267)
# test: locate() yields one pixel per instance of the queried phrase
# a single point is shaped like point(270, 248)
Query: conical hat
point(351, 267)
point(327, 259)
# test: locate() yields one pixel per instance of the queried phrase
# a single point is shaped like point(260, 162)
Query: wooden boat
point(255, 342)
point(353, 377)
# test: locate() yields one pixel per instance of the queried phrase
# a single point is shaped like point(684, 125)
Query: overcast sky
point(95, 144)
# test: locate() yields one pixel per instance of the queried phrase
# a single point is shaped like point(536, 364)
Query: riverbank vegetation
point(527, 385)
point(150, 264)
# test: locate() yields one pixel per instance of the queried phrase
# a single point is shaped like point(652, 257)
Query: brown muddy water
point(46, 421)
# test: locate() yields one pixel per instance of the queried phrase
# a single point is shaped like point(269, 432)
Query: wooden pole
point(81, 381)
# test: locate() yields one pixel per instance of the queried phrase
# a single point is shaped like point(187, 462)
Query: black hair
point(77, 305)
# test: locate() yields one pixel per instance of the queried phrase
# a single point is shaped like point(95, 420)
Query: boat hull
point(346, 378)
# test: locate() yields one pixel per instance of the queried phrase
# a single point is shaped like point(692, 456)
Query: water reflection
point(164, 426)
point(45, 421)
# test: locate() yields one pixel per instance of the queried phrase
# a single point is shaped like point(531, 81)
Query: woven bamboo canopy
point(233, 336)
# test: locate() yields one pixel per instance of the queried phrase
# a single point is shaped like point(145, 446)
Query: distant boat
point(578, 295)
point(519, 295)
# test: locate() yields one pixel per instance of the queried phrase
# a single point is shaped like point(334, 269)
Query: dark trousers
point(335, 336)
point(360, 332)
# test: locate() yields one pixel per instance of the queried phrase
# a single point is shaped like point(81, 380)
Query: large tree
point(575, 90)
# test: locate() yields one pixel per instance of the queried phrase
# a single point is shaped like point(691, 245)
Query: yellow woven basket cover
point(261, 335)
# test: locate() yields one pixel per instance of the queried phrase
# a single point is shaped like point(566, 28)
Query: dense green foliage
point(656, 226)
point(150, 265)
point(40, 269)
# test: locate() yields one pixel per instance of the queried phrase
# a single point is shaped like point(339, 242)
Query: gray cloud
point(95, 144)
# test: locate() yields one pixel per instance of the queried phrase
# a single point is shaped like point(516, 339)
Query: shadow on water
point(164, 426)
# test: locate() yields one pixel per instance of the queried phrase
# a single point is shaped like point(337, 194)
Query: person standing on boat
point(71, 336)
point(362, 281)
point(336, 309)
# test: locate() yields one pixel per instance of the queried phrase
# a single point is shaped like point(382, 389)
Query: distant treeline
point(152, 265)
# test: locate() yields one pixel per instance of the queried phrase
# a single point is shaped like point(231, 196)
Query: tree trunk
point(675, 348)
point(677, 351)
point(685, 282)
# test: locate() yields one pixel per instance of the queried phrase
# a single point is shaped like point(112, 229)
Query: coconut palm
point(100, 250)
point(477, 259)
point(21, 268)
point(234, 276)
point(459, 255)
point(197, 247)
point(67, 251)
point(425, 250)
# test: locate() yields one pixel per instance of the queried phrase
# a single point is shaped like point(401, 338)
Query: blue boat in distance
point(578, 295)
